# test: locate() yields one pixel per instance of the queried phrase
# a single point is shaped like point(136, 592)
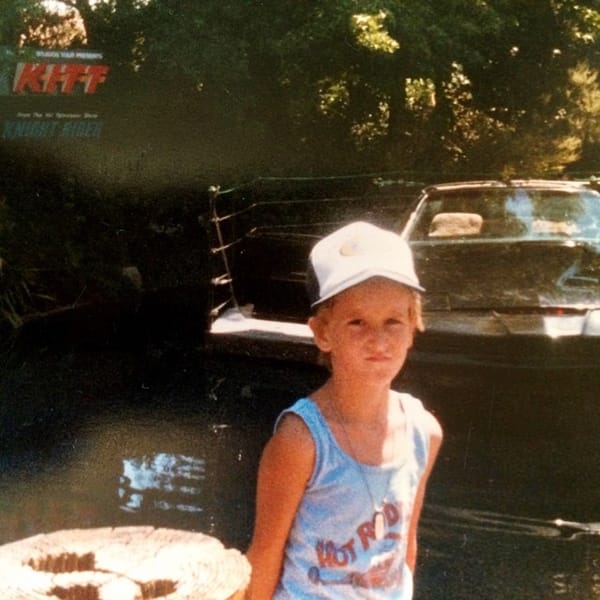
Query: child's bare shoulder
point(292, 426)
point(292, 441)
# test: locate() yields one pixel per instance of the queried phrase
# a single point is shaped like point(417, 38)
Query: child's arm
point(435, 441)
point(285, 467)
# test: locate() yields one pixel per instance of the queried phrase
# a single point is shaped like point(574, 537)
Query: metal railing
point(291, 207)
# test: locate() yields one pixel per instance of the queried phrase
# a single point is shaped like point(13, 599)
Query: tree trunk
point(123, 563)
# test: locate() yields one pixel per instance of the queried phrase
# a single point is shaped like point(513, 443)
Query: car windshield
point(507, 214)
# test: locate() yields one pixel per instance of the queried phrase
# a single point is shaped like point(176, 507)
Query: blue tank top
point(332, 550)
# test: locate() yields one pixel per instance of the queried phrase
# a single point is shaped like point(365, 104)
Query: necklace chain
point(378, 518)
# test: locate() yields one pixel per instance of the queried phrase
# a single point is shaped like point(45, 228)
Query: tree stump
point(122, 563)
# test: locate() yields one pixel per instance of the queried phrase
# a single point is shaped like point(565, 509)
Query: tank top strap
point(415, 417)
point(308, 411)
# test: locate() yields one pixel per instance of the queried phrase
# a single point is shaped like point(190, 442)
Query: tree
point(437, 85)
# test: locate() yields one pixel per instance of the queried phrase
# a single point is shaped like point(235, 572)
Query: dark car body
point(512, 305)
point(512, 272)
point(511, 309)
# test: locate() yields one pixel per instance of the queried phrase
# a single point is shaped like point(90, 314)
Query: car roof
point(551, 184)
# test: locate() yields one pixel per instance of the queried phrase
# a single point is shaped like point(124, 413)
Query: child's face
point(368, 329)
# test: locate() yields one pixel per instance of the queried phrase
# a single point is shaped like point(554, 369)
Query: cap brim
point(365, 276)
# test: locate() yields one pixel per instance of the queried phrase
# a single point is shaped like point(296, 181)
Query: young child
point(342, 480)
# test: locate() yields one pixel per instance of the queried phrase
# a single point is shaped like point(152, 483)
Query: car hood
point(510, 288)
point(509, 275)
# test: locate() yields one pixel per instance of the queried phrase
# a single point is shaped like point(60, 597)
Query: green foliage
point(369, 31)
point(13, 17)
point(63, 244)
point(216, 90)
point(583, 97)
point(326, 86)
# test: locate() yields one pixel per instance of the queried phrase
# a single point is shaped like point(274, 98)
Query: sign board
point(51, 94)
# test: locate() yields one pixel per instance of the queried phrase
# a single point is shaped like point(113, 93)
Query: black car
point(512, 272)
point(512, 305)
point(511, 308)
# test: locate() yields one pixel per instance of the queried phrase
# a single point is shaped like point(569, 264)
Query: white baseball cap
point(355, 253)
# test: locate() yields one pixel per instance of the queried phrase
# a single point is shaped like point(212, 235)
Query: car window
point(507, 214)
